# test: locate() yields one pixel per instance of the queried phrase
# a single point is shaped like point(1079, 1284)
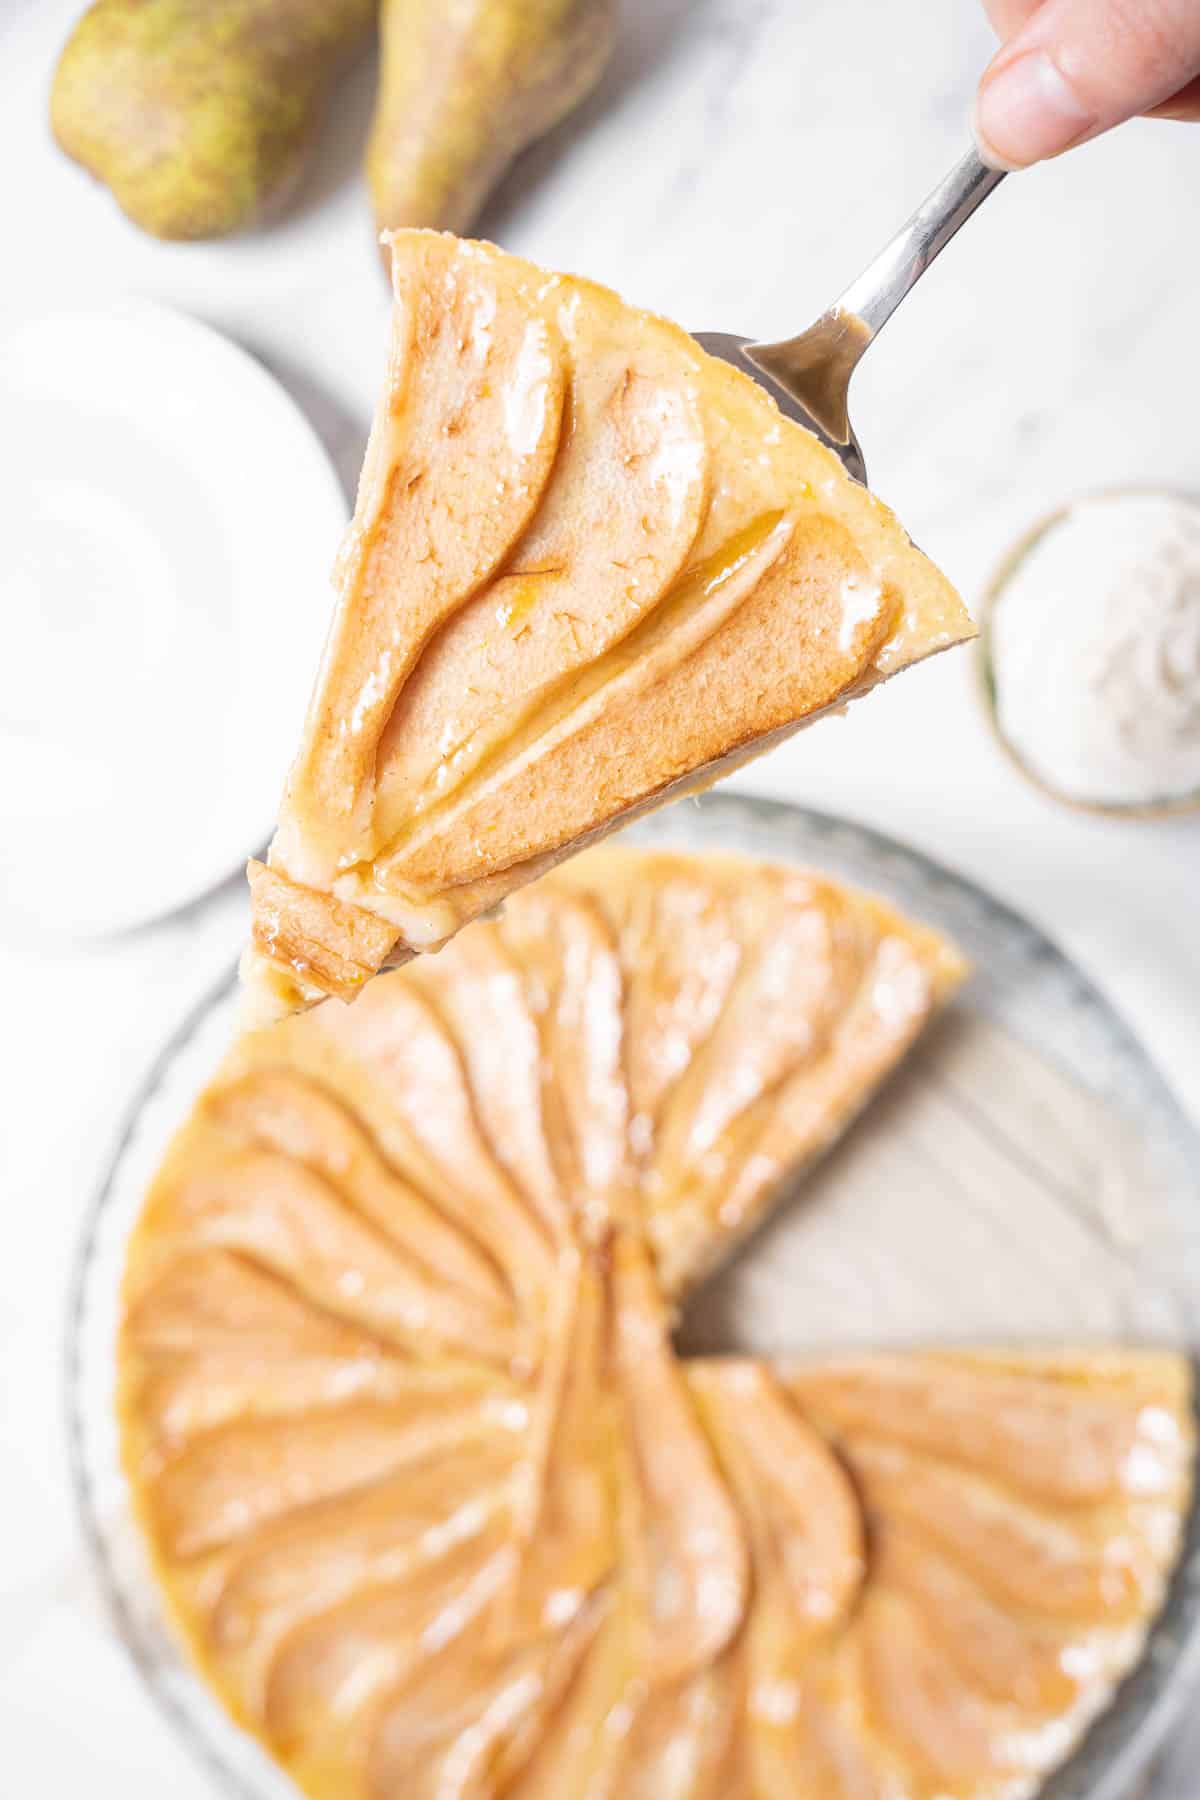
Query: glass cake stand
point(1026, 1178)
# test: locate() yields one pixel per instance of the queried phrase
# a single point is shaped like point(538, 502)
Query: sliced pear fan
point(434, 1503)
point(590, 566)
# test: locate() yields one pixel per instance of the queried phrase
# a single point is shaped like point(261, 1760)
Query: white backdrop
point(741, 160)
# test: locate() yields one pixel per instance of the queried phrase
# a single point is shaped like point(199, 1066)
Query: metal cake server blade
point(809, 375)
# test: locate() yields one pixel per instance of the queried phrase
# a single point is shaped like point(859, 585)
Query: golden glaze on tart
point(430, 1496)
point(589, 566)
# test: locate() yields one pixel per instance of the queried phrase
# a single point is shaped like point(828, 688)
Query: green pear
point(199, 114)
point(464, 86)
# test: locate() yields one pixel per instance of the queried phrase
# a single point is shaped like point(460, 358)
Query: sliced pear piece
point(565, 1497)
point(681, 949)
point(279, 1212)
point(215, 1337)
point(796, 1492)
point(685, 1552)
point(329, 1675)
point(303, 1564)
point(1000, 1656)
point(1074, 1568)
point(226, 1482)
point(482, 990)
point(459, 1724)
point(413, 1056)
point(686, 1740)
point(581, 1751)
point(951, 1738)
point(567, 949)
point(1064, 1431)
point(809, 1558)
point(590, 567)
point(286, 1113)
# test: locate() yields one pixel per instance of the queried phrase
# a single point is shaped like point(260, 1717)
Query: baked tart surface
point(430, 1496)
point(590, 566)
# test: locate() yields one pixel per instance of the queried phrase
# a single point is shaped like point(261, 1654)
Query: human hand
point(1071, 69)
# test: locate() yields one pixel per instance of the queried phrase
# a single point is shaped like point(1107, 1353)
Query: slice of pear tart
point(436, 1506)
point(590, 567)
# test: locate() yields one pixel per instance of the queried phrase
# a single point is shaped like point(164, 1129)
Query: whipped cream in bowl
point(1091, 647)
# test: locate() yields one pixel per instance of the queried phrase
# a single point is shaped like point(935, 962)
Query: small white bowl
point(993, 596)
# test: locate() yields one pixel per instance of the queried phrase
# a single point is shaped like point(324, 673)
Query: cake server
point(809, 376)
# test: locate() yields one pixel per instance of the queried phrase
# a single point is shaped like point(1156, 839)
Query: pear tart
point(589, 567)
point(431, 1498)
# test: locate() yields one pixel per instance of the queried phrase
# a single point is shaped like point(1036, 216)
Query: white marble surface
point(741, 160)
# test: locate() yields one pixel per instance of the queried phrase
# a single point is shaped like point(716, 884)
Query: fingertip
point(1027, 110)
point(987, 151)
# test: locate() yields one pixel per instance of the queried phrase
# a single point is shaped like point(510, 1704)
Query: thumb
point(1078, 67)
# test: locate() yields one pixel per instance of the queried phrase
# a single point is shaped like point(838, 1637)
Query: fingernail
point(1028, 110)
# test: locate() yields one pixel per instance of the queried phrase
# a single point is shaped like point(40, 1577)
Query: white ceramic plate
point(168, 520)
